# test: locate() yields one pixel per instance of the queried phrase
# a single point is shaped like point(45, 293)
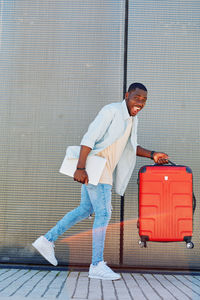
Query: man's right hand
point(81, 176)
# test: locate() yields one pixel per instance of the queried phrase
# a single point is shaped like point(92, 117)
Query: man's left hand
point(160, 158)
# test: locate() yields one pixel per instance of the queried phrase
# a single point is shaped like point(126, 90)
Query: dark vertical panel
point(163, 53)
point(121, 254)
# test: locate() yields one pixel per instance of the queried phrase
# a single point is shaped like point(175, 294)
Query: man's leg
point(45, 244)
point(100, 197)
point(72, 217)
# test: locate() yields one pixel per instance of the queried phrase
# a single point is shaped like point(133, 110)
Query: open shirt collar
point(125, 110)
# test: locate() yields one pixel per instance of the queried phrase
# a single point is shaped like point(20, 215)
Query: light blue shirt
point(108, 126)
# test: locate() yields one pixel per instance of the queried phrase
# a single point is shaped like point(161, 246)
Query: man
point(113, 135)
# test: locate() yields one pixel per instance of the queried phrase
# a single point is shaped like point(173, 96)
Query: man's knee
point(85, 209)
point(104, 215)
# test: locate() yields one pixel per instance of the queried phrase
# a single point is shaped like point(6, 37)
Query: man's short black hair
point(136, 85)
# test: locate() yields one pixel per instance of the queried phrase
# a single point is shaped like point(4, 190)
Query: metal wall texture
point(163, 53)
point(61, 61)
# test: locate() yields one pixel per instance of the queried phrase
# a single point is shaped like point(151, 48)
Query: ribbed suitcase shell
point(165, 203)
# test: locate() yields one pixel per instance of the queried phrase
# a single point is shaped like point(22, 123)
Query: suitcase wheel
point(190, 245)
point(142, 244)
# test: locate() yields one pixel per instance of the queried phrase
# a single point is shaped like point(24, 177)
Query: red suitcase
point(166, 204)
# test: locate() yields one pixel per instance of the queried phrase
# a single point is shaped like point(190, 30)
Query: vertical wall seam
point(124, 91)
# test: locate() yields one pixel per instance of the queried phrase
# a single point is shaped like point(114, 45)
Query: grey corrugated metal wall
point(61, 61)
point(164, 54)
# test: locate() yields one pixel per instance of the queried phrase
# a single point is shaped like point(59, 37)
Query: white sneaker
point(46, 249)
point(102, 271)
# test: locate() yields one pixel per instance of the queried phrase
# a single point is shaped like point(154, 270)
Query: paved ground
point(21, 284)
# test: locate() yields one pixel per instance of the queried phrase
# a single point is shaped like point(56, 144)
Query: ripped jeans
point(94, 198)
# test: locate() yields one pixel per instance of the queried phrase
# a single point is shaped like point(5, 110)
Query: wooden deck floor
point(20, 284)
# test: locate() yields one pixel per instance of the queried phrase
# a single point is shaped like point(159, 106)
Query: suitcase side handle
point(194, 202)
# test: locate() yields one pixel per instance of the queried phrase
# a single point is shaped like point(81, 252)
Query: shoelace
point(107, 268)
point(51, 244)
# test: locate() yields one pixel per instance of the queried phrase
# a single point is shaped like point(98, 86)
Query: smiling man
point(112, 135)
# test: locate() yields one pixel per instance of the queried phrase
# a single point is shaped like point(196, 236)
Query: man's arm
point(80, 174)
point(158, 157)
point(98, 127)
point(95, 132)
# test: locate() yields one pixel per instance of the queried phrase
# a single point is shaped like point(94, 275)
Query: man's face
point(135, 101)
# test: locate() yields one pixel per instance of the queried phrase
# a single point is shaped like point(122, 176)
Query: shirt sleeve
point(98, 127)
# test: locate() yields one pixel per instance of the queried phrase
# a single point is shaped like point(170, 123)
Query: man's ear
point(126, 95)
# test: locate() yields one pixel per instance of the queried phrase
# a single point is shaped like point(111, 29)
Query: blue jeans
point(95, 199)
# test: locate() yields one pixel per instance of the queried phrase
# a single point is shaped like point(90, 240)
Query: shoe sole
point(102, 278)
point(42, 253)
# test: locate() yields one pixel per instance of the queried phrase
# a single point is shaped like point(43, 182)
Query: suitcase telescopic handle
point(168, 162)
point(172, 163)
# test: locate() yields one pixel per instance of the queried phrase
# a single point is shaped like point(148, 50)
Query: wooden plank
point(30, 285)
point(133, 287)
point(192, 286)
point(70, 285)
point(179, 285)
point(82, 286)
point(108, 290)
point(171, 287)
point(14, 276)
point(18, 284)
point(197, 277)
point(8, 274)
point(56, 285)
point(149, 292)
point(156, 285)
point(121, 290)
point(95, 289)
point(2, 271)
point(193, 279)
point(43, 284)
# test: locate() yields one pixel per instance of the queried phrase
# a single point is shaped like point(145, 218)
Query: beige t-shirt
point(112, 154)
